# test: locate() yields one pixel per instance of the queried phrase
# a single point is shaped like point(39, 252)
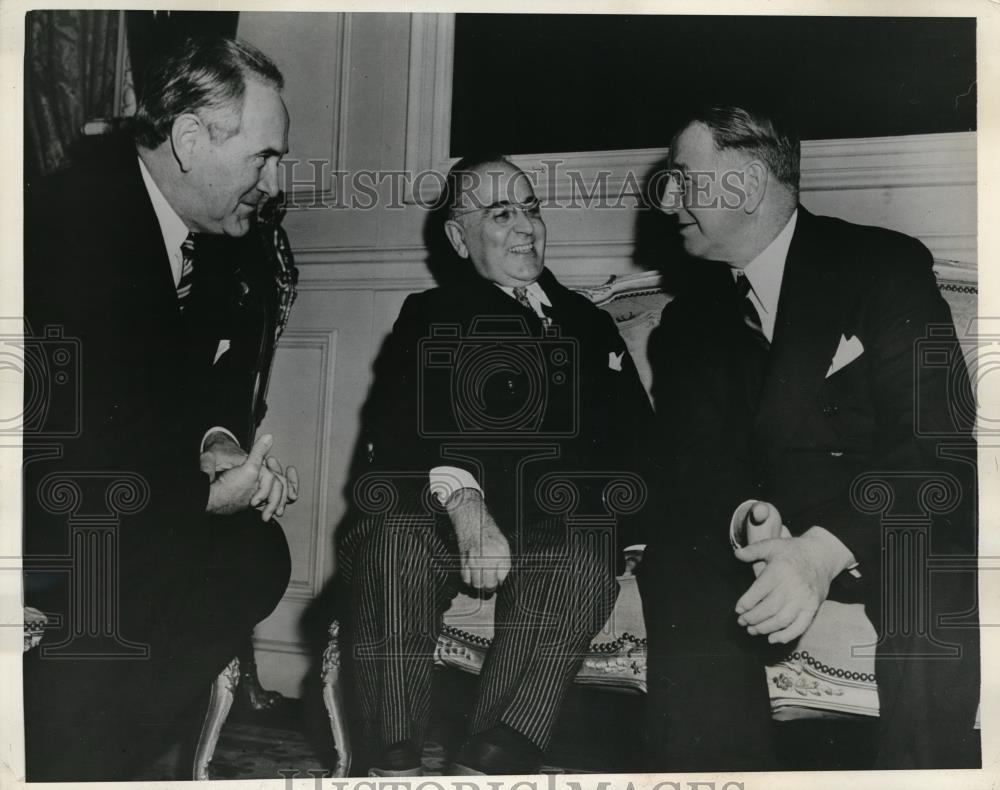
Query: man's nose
point(523, 223)
point(672, 200)
point(268, 183)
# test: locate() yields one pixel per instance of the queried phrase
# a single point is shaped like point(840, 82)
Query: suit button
point(830, 409)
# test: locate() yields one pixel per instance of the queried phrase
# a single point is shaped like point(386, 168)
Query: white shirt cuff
point(739, 533)
point(446, 480)
point(217, 429)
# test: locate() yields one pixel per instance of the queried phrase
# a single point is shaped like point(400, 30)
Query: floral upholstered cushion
point(616, 658)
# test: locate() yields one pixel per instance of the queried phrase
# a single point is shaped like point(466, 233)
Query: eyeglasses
point(504, 212)
point(675, 189)
point(704, 188)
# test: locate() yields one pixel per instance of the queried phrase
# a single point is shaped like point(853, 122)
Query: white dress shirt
point(171, 225)
point(764, 274)
point(536, 296)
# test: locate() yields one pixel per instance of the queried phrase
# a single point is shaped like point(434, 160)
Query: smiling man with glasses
point(495, 397)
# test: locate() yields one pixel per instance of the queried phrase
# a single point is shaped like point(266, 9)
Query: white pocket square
point(615, 360)
point(222, 349)
point(848, 351)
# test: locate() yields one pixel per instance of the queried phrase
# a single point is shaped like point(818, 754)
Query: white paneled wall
point(372, 92)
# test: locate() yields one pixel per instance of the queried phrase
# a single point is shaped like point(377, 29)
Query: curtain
point(152, 32)
point(69, 78)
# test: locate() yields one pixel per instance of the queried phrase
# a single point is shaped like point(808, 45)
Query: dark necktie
point(187, 270)
point(521, 295)
point(751, 318)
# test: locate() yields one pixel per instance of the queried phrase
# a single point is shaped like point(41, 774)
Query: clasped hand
point(241, 480)
point(794, 576)
point(484, 553)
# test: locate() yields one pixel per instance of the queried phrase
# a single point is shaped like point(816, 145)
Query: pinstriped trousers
point(403, 571)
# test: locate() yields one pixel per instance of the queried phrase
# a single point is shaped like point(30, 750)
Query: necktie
point(521, 295)
point(751, 318)
point(187, 270)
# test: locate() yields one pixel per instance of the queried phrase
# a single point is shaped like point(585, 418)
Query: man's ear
point(186, 134)
point(755, 186)
point(456, 235)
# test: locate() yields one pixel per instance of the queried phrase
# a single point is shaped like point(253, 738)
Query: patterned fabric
point(187, 270)
point(521, 295)
point(404, 572)
point(750, 315)
point(69, 76)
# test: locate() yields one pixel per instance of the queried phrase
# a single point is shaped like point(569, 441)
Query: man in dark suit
point(786, 372)
point(140, 538)
point(503, 409)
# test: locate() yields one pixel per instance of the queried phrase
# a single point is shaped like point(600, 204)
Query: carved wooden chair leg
point(333, 698)
point(219, 703)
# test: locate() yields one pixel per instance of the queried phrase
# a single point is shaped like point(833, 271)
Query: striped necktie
point(187, 270)
point(751, 318)
point(521, 295)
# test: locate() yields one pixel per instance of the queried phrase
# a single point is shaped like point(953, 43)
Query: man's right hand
point(761, 521)
point(230, 492)
point(484, 553)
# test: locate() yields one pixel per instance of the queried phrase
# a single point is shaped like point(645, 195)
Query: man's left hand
point(221, 453)
point(276, 487)
point(796, 579)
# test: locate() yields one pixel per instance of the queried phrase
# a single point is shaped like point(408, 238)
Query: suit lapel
point(566, 308)
point(146, 275)
point(144, 264)
point(806, 332)
point(561, 307)
point(485, 298)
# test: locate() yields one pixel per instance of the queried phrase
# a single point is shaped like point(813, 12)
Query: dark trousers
point(707, 702)
point(192, 600)
point(403, 572)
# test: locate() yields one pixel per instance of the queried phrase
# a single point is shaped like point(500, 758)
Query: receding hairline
point(203, 75)
point(763, 134)
point(466, 182)
point(711, 136)
point(227, 118)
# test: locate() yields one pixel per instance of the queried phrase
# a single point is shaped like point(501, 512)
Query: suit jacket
point(803, 438)
point(469, 378)
point(886, 436)
point(142, 388)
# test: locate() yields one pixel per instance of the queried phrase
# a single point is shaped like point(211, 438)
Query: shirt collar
point(172, 227)
point(766, 270)
point(534, 290)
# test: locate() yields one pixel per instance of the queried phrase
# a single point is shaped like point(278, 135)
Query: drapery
point(69, 78)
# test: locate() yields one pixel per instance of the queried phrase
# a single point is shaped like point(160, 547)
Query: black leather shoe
point(498, 751)
point(400, 759)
